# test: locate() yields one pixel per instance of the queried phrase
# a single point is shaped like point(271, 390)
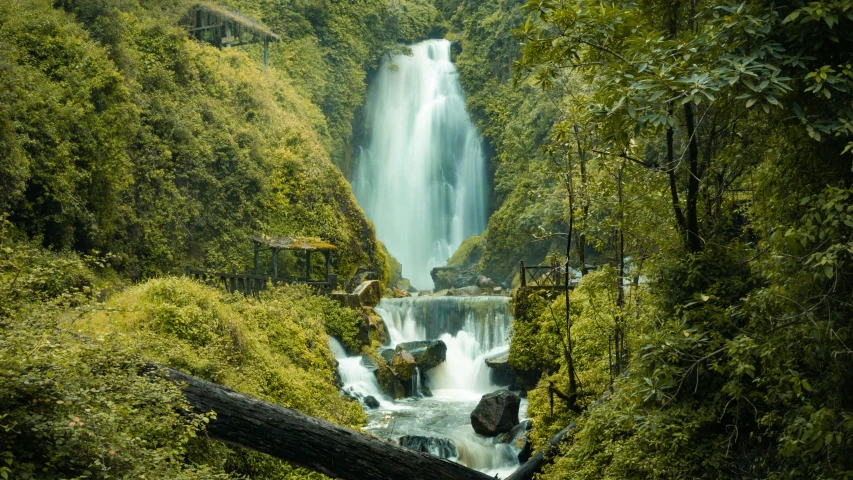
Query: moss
point(274, 348)
point(469, 252)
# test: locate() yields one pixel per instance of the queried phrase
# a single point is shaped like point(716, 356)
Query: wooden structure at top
point(214, 24)
point(543, 277)
point(253, 282)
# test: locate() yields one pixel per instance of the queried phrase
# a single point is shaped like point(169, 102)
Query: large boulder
point(369, 293)
point(440, 447)
point(485, 282)
point(403, 365)
point(400, 293)
point(453, 277)
point(496, 413)
point(371, 402)
point(427, 353)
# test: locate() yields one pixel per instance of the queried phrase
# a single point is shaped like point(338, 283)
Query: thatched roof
point(294, 243)
point(246, 22)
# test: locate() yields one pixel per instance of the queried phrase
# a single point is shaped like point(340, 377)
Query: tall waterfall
point(421, 175)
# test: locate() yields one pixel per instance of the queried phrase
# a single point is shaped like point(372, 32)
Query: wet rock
point(469, 291)
point(427, 353)
point(525, 447)
point(424, 293)
point(519, 438)
point(346, 300)
point(362, 275)
point(499, 370)
point(388, 354)
point(398, 293)
point(485, 282)
point(369, 363)
point(440, 447)
point(376, 326)
point(516, 432)
point(371, 402)
point(497, 291)
point(453, 277)
point(369, 293)
point(403, 365)
point(496, 413)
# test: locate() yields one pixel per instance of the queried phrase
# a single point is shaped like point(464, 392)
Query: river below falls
point(472, 328)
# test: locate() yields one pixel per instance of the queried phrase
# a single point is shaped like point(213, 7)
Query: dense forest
point(684, 164)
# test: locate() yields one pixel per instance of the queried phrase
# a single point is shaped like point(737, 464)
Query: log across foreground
point(322, 446)
point(310, 442)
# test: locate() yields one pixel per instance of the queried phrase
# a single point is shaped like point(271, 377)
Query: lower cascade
point(435, 418)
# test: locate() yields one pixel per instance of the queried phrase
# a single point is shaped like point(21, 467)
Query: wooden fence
point(249, 284)
point(544, 278)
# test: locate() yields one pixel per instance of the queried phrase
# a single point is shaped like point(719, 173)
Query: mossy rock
point(428, 354)
point(403, 365)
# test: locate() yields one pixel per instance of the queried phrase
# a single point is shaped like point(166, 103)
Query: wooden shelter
point(219, 26)
point(307, 245)
point(252, 282)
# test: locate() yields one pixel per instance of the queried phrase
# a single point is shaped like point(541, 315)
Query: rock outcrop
point(453, 277)
point(496, 413)
point(362, 275)
point(376, 326)
point(500, 371)
point(369, 293)
point(427, 353)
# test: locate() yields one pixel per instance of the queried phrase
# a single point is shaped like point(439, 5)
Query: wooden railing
point(249, 284)
point(543, 277)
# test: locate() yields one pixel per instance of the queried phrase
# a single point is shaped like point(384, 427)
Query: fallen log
point(310, 442)
point(543, 456)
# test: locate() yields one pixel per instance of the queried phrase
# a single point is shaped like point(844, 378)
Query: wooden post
point(274, 265)
point(307, 265)
point(328, 256)
point(266, 50)
point(523, 274)
point(256, 245)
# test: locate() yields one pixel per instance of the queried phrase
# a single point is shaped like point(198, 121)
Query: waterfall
point(471, 327)
point(421, 174)
point(359, 382)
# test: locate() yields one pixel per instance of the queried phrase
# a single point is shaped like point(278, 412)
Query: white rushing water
point(421, 174)
point(472, 328)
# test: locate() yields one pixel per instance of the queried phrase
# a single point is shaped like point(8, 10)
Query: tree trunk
point(307, 441)
point(542, 457)
point(694, 243)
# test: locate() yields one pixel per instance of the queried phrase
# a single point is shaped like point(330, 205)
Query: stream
point(421, 180)
point(472, 328)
